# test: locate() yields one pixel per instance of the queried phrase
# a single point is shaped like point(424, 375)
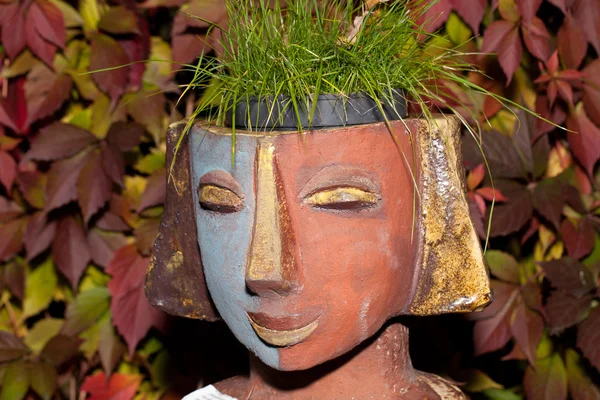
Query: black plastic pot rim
point(269, 113)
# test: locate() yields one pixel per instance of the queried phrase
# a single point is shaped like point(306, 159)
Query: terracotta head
point(306, 245)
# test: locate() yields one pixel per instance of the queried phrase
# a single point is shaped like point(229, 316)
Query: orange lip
point(283, 331)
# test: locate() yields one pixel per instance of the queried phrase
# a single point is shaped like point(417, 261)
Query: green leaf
point(92, 279)
point(111, 348)
point(457, 30)
point(40, 285)
point(503, 266)
point(119, 20)
point(86, 309)
point(501, 394)
point(91, 339)
point(151, 163)
point(43, 378)
point(42, 332)
point(581, 386)
point(160, 370)
point(16, 382)
point(480, 381)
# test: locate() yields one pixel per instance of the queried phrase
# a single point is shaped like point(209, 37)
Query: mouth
point(281, 332)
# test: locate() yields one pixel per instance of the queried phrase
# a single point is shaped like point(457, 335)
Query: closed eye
point(219, 199)
point(342, 198)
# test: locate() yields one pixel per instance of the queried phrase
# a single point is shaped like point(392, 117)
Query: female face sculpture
point(307, 245)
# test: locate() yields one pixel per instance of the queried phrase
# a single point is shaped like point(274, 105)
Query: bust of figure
point(308, 246)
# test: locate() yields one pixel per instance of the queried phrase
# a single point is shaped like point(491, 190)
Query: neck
point(379, 368)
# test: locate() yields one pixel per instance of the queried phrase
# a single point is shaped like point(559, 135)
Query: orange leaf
point(119, 387)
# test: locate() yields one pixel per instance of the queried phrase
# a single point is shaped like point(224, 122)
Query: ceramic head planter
point(308, 244)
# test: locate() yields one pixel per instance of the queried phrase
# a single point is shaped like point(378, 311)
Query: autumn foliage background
point(82, 182)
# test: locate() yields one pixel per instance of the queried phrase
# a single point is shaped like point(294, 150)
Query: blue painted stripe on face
point(224, 239)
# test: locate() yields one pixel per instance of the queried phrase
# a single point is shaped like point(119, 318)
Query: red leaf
point(48, 21)
point(511, 216)
point(118, 387)
point(591, 90)
point(33, 186)
point(59, 140)
point(104, 244)
point(475, 177)
point(13, 34)
point(8, 209)
point(45, 92)
point(94, 186)
point(62, 181)
point(565, 91)
point(136, 50)
point(125, 136)
point(571, 43)
point(547, 380)
point(562, 4)
point(472, 11)
point(494, 333)
point(588, 337)
point(13, 108)
point(70, 250)
point(585, 143)
point(107, 53)
point(8, 170)
point(569, 275)
point(565, 310)
point(528, 9)
point(490, 194)
point(113, 163)
point(527, 328)
point(537, 39)
point(155, 191)
point(579, 240)
point(38, 234)
point(187, 47)
point(510, 52)
point(494, 34)
point(548, 200)
point(38, 45)
point(587, 15)
point(132, 313)
point(581, 386)
point(11, 234)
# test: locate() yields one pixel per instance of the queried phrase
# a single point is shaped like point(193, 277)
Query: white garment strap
point(208, 393)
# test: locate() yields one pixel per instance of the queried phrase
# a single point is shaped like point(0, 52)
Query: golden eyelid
point(217, 198)
point(342, 195)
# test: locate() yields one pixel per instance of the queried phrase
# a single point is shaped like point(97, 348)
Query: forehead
point(372, 149)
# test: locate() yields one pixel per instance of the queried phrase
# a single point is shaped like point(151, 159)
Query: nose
point(271, 264)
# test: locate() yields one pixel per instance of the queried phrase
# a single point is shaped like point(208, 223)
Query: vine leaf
point(94, 186)
point(11, 347)
point(87, 308)
point(108, 53)
point(571, 42)
point(8, 170)
point(565, 310)
point(59, 140)
point(584, 139)
point(548, 380)
point(579, 240)
point(588, 337)
point(132, 313)
point(70, 249)
point(118, 387)
point(581, 386)
point(527, 328)
point(62, 181)
point(568, 274)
